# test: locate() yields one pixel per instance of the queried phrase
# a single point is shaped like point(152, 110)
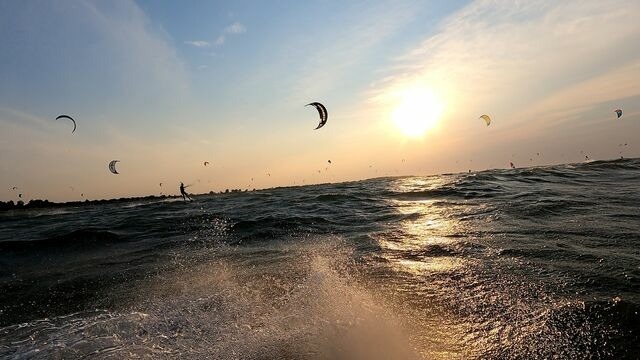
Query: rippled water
point(528, 263)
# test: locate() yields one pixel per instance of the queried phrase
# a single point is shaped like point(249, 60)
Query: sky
point(163, 86)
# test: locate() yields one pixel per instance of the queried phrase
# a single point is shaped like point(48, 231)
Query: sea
point(528, 263)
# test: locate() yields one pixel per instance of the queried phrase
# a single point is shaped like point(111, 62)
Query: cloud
point(338, 58)
point(137, 62)
point(198, 43)
point(235, 28)
point(503, 57)
point(219, 40)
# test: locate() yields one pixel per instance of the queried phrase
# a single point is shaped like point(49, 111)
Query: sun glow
point(417, 112)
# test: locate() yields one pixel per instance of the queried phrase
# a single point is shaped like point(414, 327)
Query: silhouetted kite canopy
point(618, 112)
point(70, 118)
point(486, 119)
point(112, 166)
point(322, 111)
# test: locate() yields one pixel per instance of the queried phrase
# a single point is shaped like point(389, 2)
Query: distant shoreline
point(44, 204)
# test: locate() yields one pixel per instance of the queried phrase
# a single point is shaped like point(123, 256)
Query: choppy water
point(527, 263)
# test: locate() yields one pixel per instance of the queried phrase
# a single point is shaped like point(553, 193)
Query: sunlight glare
point(419, 110)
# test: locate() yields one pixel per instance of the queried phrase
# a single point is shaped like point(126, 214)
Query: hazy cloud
point(504, 57)
point(220, 40)
point(198, 43)
point(235, 28)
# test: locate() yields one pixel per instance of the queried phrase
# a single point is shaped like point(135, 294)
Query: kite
point(511, 164)
point(486, 119)
point(70, 118)
point(206, 163)
point(618, 112)
point(112, 166)
point(322, 111)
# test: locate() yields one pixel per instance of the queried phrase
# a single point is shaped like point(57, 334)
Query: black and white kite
point(322, 111)
point(618, 112)
point(112, 166)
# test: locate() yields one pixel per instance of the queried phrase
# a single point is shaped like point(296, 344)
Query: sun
point(417, 112)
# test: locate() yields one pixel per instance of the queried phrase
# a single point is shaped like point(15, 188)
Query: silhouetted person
point(184, 194)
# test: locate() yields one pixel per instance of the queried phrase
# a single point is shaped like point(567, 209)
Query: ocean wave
point(78, 239)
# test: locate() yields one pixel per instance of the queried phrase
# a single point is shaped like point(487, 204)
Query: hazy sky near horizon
point(163, 86)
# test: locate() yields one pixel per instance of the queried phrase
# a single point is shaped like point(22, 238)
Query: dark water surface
point(500, 264)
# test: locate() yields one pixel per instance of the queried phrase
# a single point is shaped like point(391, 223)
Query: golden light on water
point(424, 230)
point(418, 111)
point(432, 265)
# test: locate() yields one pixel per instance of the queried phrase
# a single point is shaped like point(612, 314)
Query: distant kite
point(511, 164)
point(486, 119)
point(14, 188)
point(160, 184)
point(206, 163)
point(322, 111)
point(70, 118)
point(112, 166)
point(618, 112)
point(329, 161)
point(20, 196)
point(269, 174)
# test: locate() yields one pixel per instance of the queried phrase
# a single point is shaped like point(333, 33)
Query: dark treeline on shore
point(38, 204)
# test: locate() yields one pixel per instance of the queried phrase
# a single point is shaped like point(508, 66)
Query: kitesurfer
point(184, 194)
